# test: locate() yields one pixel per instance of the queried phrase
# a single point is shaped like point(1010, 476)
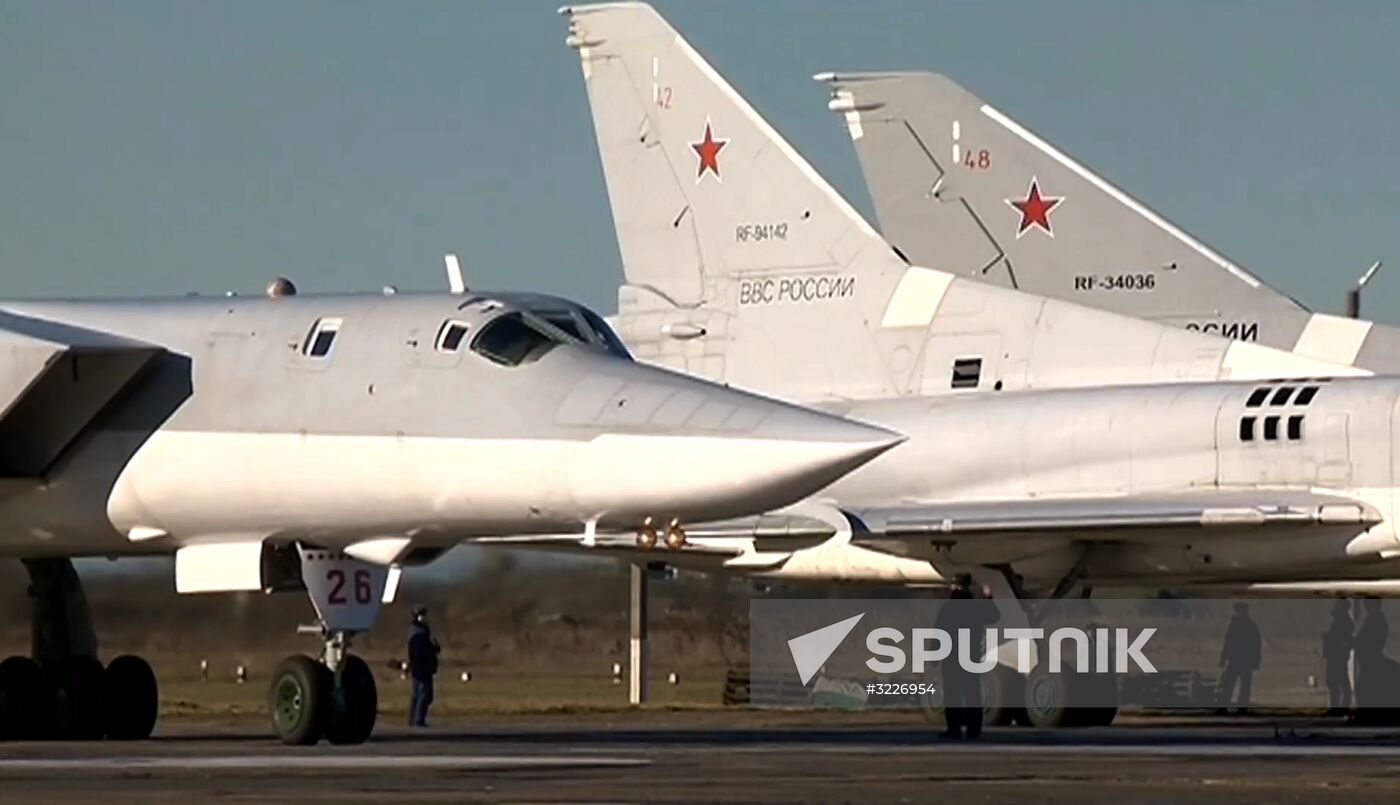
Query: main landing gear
point(1038, 699)
point(333, 696)
point(62, 690)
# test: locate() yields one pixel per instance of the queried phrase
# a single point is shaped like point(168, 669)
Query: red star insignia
point(1035, 209)
point(708, 150)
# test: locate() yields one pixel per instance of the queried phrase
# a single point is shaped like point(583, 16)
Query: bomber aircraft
point(1052, 447)
point(317, 441)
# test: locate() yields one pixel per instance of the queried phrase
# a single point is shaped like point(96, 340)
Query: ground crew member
point(1372, 665)
point(964, 617)
point(423, 653)
point(1239, 659)
point(1336, 658)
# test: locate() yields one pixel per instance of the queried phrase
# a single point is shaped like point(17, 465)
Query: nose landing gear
point(333, 696)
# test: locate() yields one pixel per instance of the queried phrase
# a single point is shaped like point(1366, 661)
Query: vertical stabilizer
point(743, 265)
point(958, 184)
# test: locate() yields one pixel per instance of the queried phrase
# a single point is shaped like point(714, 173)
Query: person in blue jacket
point(423, 653)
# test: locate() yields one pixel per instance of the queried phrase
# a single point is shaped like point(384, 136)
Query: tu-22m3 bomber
point(1053, 447)
point(322, 441)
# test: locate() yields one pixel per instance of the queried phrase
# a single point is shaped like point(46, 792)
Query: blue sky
point(180, 146)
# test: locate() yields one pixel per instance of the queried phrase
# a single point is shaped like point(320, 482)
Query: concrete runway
point(725, 757)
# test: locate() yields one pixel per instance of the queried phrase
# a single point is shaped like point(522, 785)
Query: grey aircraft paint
point(98, 385)
point(319, 443)
point(1093, 480)
point(959, 185)
point(743, 265)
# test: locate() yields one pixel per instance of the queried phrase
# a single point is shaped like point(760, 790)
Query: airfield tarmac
point(719, 756)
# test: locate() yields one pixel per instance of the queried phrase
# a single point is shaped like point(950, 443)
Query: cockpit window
point(450, 335)
point(510, 340)
point(319, 341)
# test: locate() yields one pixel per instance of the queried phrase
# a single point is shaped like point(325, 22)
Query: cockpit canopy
point(584, 325)
point(529, 326)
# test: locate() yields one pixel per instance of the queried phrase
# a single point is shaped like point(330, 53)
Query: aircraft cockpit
point(513, 338)
point(527, 326)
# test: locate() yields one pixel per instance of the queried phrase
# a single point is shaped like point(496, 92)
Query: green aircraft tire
point(299, 700)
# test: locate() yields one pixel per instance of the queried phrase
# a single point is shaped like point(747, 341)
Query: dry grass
point(535, 636)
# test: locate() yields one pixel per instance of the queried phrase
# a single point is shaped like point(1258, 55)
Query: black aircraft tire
point(299, 700)
point(132, 700)
point(1003, 692)
point(25, 701)
point(79, 707)
point(1102, 716)
point(1003, 699)
point(356, 704)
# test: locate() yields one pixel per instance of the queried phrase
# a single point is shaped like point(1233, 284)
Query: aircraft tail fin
point(958, 184)
point(743, 265)
point(679, 144)
point(717, 216)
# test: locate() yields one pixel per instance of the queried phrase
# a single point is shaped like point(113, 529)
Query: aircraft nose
point(676, 447)
point(813, 449)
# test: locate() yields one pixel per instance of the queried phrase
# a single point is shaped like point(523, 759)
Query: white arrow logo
point(811, 651)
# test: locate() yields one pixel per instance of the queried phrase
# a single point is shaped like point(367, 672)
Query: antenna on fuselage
point(1354, 295)
point(455, 282)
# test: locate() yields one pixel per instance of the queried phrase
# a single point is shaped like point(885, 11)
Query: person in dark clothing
point(1371, 662)
point(423, 653)
point(962, 689)
point(1239, 659)
point(1336, 658)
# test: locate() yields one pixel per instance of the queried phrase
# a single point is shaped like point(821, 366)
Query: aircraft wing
point(54, 380)
point(1112, 518)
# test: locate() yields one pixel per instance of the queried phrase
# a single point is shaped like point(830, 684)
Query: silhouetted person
point(422, 665)
point(1371, 662)
point(1239, 659)
point(962, 689)
point(1336, 658)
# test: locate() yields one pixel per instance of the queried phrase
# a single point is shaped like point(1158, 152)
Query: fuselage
point(334, 419)
point(1319, 435)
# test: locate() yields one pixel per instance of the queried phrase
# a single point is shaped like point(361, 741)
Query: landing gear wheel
point(356, 704)
point(23, 703)
point(1048, 700)
point(1056, 700)
point(1101, 716)
point(78, 710)
point(1102, 691)
point(132, 699)
point(1002, 699)
point(1003, 691)
point(299, 700)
